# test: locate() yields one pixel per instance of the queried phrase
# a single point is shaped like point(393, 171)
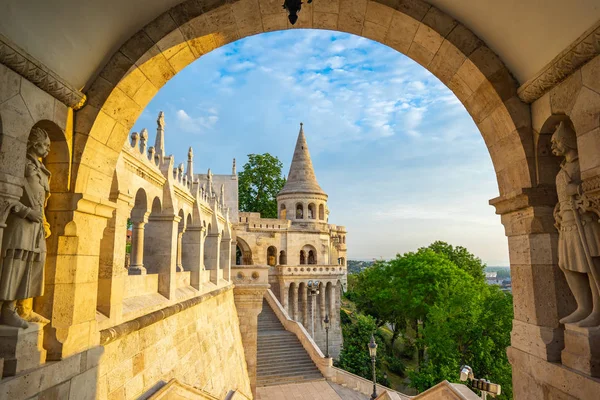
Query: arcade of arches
point(84, 76)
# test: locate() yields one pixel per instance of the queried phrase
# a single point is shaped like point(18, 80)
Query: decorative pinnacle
point(161, 120)
point(190, 154)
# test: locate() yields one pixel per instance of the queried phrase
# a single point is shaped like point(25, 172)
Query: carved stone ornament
point(23, 253)
point(579, 232)
point(41, 76)
point(582, 51)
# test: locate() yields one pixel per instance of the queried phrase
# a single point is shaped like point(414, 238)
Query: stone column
point(162, 251)
point(179, 263)
point(225, 258)
point(71, 286)
point(212, 256)
point(112, 271)
point(322, 303)
point(284, 294)
point(294, 305)
point(193, 256)
point(248, 294)
point(540, 292)
point(304, 295)
point(138, 220)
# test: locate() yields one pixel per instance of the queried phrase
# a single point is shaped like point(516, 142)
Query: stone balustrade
point(309, 269)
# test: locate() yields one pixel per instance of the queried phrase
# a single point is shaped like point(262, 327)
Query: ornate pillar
point(179, 263)
point(294, 305)
point(139, 220)
point(283, 295)
point(112, 269)
point(304, 295)
point(322, 304)
point(212, 256)
point(332, 299)
point(250, 287)
point(225, 258)
point(193, 257)
point(162, 251)
point(70, 294)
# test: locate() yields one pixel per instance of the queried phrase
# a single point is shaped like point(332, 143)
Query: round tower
point(302, 199)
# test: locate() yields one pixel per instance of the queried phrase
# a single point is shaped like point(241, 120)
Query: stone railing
point(325, 365)
point(363, 385)
point(250, 274)
point(312, 269)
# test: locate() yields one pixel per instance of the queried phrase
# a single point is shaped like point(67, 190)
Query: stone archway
point(176, 38)
point(439, 43)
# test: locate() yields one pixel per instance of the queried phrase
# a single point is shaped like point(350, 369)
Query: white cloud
point(378, 125)
point(196, 125)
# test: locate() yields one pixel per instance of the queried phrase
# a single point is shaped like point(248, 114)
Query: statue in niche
point(579, 233)
point(24, 242)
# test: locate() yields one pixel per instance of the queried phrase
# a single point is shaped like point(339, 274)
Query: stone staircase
point(281, 357)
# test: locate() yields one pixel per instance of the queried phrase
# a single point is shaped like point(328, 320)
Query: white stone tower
point(302, 200)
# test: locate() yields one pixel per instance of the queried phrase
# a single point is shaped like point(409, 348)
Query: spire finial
point(159, 142)
point(301, 178)
point(233, 171)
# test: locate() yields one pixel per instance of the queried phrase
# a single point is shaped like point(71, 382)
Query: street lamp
point(326, 322)
point(486, 387)
point(313, 286)
point(373, 354)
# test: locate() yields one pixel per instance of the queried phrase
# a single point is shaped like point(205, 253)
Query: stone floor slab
point(317, 390)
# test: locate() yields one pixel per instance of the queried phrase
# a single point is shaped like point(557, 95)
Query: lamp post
point(485, 386)
point(326, 322)
point(373, 354)
point(313, 286)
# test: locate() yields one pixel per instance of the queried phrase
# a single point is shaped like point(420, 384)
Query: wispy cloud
point(389, 141)
point(196, 125)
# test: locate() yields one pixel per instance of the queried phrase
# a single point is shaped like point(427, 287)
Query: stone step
point(281, 358)
point(286, 380)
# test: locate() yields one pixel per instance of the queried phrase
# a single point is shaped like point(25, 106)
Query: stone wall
point(200, 346)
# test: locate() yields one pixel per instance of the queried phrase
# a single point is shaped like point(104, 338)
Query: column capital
point(541, 196)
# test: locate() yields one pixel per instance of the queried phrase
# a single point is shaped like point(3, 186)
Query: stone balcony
point(311, 269)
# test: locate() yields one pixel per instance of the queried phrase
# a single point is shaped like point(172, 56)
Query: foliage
point(461, 257)
point(443, 310)
point(395, 365)
point(259, 183)
point(354, 266)
point(354, 356)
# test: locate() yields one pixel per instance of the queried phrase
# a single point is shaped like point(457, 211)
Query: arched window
point(282, 212)
point(302, 257)
point(344, 239)
point(282, 258)
point(311, 257)
point(299, 211)
point(238, 255)
point(272, 256)
point(321, 212)
point(312, 212)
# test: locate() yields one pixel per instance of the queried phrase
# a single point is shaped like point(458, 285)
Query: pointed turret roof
point(301, 178)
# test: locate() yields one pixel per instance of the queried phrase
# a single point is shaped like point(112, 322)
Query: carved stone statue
point(579, 233)
point(24, 241)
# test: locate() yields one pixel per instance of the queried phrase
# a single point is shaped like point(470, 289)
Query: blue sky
point(401, 159)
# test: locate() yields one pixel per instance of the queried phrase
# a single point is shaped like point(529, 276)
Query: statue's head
point(38, 143)
point(563, 139)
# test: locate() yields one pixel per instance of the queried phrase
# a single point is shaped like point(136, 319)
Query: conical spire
point(301, 178)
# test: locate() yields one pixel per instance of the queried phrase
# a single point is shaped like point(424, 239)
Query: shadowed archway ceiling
point(75, 38)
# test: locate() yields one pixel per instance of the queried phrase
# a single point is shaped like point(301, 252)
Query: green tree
point(461, 257)
point(417, 283)
point(259, 182)
point(354, 356)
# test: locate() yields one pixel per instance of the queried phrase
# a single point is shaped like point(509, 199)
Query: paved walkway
point(316, 390)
